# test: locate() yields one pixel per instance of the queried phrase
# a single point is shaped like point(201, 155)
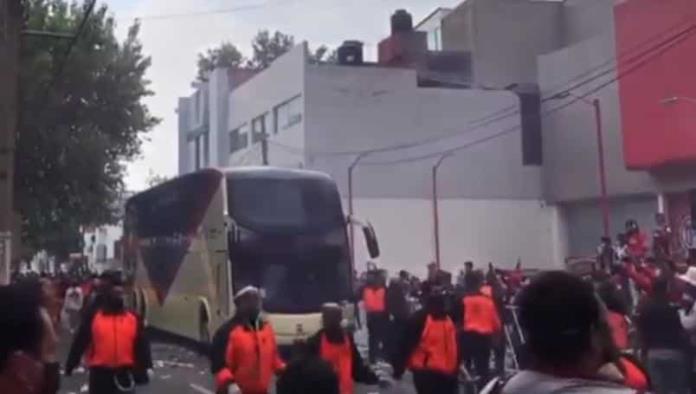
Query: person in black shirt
point(663, 341)
point(398, 310)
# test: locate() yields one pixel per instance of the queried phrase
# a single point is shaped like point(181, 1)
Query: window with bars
point(239, 138)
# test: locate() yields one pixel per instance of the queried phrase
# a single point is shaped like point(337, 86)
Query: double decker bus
point(192, 242)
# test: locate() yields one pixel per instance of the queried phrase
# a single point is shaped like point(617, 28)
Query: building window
point(287, 114)
point(258, 128)
point(435, 39)
point(239, 138)
point(201, 153)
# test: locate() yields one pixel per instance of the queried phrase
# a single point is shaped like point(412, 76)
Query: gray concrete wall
point(569, 135)
point(458, 28)
point(283, 80)
point(504, 36)
point(583, 19)
point(183, 127)
point(584, 220)
point(358, 108)
point(218, 99)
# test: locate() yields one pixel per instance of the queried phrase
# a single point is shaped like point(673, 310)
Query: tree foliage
point(323, 55)
point(154, 179)
point(268, 47)
point(76, 127)
point(225, 55)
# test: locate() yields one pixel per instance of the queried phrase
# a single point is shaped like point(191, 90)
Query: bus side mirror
point(371, 240)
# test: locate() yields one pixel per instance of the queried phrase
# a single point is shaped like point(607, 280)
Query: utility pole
point(604, 198)
point(11, 20)
point(264, 148)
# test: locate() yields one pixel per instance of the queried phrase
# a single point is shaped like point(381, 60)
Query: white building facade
point(321, 117)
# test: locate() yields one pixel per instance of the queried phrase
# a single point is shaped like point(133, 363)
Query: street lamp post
point(602, 169)
point(604, 197)
point(436, 210)
point(351, 239)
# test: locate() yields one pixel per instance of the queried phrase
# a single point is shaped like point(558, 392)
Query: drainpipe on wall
point(436, 209)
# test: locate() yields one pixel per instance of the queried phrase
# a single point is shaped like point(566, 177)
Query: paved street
point(181, 371)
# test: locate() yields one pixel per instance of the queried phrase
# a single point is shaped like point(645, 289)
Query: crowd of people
point(626, 325)
point(108, 338)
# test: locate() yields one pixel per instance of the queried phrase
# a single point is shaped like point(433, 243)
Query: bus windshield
point(297, 273)
point(293, 242)
point(281, 205)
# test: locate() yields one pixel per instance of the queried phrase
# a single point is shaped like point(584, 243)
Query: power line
point(583, 96)
point(609, 62)
point(510, 111)
point(71, 44)
point(687, 31)
point(666, 46)
point(232, 10)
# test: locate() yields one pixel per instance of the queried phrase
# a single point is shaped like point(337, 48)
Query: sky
point(173, 32)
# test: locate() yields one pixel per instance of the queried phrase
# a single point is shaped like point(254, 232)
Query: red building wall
point(656, 134)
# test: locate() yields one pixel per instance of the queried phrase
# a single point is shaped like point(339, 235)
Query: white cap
point(246, 290)
point(330, 305)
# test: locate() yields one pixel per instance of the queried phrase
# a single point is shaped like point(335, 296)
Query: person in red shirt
point(637, 240)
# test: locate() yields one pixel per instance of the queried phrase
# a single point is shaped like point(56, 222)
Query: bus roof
point(239, 172)
point(274, 173)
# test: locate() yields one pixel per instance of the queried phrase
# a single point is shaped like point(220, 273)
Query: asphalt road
point(181, 371)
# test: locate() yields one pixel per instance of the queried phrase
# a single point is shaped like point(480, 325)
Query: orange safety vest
point(113, 340)
point(340, 356)
point(619, 329)
point(437, 350)
point(374, 299)
point(480, 315)
point(251, 359)
point(634, 377)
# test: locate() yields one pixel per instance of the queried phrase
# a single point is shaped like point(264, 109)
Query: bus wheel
point(203, 330)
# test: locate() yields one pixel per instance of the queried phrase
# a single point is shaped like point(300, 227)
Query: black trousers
point(394, 335)
point(499, 355)
point(377, 324)
point(103, 381)
point(429, 382)
point(476, 349)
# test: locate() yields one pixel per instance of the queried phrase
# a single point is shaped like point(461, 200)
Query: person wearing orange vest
point(336, 346)
point(113, 338)
point(480, 326)
point(375, 304)
point(250, 357)
point(429, 347)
